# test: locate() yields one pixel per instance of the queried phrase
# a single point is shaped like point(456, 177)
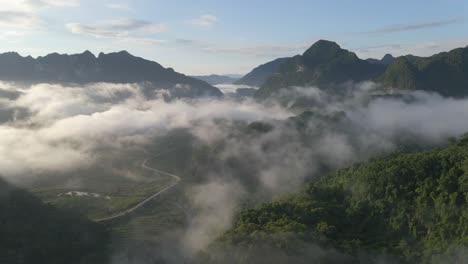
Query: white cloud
point(19, 21)
point(68, 125)
point(413, 26)
point(427, 48)
point(121, 6)
point(127, 30)
point(259, 50)
point(262, 50)
point(33, 6)
point(205, 21)
point(231, 88)
point(18, 18)
point(77, 28)
point(128, 24)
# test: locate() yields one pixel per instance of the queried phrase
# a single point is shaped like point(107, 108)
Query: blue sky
point(208, 36)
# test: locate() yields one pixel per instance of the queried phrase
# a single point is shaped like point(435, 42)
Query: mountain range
point(119, 67)
point(326, 65)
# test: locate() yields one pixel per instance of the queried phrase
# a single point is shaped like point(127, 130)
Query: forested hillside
point(445, 73)
point(408, 208)
point(32, 232)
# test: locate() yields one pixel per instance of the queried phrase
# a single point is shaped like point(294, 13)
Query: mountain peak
point(323, 50)
point(124, 52)
point(86, 57)
point(387, 56)
point(387, 59)
point(10, 55)
point(323, 43)
point(87, 53)
point(121, 54)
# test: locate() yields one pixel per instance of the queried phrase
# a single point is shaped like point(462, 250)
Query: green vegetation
point(445, 73)
point(156, 218)
point(105, 190)
point(32, 232)
point(411, 208)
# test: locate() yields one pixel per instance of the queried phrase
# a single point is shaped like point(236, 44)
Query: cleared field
point(97, 205)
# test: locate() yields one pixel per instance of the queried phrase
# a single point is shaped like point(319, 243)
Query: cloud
point(70, 128)
point(427, 48)
point(127, 30)
point(270, 51)
point(205, 21)
point(78, 121)
point(45, 3)
point(77, 28)
point(259, 50)
point(16, 21)
point(33, 6)
point(415, 26)
point(18, 18)
point(120, 6)
point(215, 203)
point(127, 24)
point(227, 88)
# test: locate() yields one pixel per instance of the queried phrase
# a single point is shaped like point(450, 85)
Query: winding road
point(132, 209)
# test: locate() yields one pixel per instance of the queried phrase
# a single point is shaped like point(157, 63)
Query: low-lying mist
point(261, 150)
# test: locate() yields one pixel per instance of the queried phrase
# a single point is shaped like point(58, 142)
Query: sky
point(230, 37)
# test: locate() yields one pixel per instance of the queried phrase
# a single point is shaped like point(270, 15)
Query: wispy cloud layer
point(414, 26)
point(205, 21)
point(261, 50)
point(120, 29)
point(34, 5)
point(18, 18)
point(426, 48)
point(121, 6)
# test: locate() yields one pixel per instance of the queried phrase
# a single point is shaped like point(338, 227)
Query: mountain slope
point(408, 208)
point(120, 67)
point(216, 79)
point(32, 232)
point(445, 73)
point(261, 73)
point(324, 64)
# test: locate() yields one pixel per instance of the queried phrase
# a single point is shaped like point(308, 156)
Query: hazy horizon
point(243, 34)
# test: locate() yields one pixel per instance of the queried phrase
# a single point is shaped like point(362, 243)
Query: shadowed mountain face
point(260, 74)
point(120, 67)
point(324, 64)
